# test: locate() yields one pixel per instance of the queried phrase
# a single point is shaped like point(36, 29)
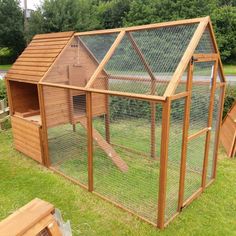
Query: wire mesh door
point(200, 125)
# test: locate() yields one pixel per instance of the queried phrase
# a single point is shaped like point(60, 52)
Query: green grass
point(5, 67)
point(22, 180)
point(229, 69)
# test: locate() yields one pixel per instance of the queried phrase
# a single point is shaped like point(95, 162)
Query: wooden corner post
point(89, 139)
point(163, 162)
point(46, 160)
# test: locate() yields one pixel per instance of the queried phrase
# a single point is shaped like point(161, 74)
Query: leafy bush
point(3, 92)
point(230, 98)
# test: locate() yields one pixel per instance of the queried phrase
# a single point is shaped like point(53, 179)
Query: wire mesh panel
point(194, 165)
point(212, 147)
point(99, 45)
point(200, 99)
point(174, 156)
point(124, 170)
point(199, 113)
point(158, 49)
point(206, 44)
point(67, 138)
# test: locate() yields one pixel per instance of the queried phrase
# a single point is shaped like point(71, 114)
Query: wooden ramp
point(35, 218)
point(107, 148)
point(228, 132)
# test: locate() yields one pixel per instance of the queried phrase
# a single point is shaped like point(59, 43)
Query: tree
point(111, 13)
point(224, 21)
point(11, 26)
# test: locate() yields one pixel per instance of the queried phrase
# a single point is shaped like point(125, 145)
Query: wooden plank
point(163, 163)
point(23, 77)
point(29, 50)
point(40, 59)
point(39, 226)
point(35, 44)
point(143, 27)
point(25, 72)
point(205, 57)
point(217, 50)
point(44, 134)
point(105, 59)
point(108, 149)
point(179, 95)
point(23, 219)
point(186, 57)
point(185, 137)
point(38, 55)
point(29, 68)
point(53, 35)
point(51, 39)
point(133, 95)
point(199, 133)
point(209, 124)
point(90, 133)
point(32, 64)
point(47, 47)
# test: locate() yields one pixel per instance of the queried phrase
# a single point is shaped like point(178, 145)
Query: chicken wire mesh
point(212, 145)
point(160, 49)
point(199, 114)
point(200, 98)
point(205, 44)
point(124, 170)
point(174, 156)
point(67, 137)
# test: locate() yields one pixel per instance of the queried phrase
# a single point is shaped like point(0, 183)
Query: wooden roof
point(38, 57)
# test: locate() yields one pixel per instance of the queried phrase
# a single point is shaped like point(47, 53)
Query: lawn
point(229, 69)
point(22, 180)
point(5, 67)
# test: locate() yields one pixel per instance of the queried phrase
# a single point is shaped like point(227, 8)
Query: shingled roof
point(38, 57)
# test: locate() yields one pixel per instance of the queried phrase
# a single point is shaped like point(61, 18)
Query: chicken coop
point(130, 114)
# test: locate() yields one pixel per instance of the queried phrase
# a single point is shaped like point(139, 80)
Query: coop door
point(200, 123)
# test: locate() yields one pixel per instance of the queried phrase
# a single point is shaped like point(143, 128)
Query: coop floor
point(136, 189)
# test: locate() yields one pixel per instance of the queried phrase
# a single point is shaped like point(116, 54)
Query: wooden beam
point(105, 59)
point(45, 157)
point(186, 58)
point(199, 133)
point(209, 124)
point(142, 27)
point(89, 139)
point(179, 95)
point(217, 50)
point(205, 57)
point(124, 94)
point(185, 136)
point(9, 96)
point(163, 163)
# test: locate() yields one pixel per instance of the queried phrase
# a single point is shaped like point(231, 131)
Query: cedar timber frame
point(51, 54)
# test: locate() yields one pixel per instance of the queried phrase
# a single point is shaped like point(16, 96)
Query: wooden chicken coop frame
point(43, 64)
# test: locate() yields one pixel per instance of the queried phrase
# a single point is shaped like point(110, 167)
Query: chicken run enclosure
point(131, 114)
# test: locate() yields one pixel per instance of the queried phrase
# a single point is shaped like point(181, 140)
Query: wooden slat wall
point(27, 138)
point(56, 106)
point(37, 58)
point(228, 132)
